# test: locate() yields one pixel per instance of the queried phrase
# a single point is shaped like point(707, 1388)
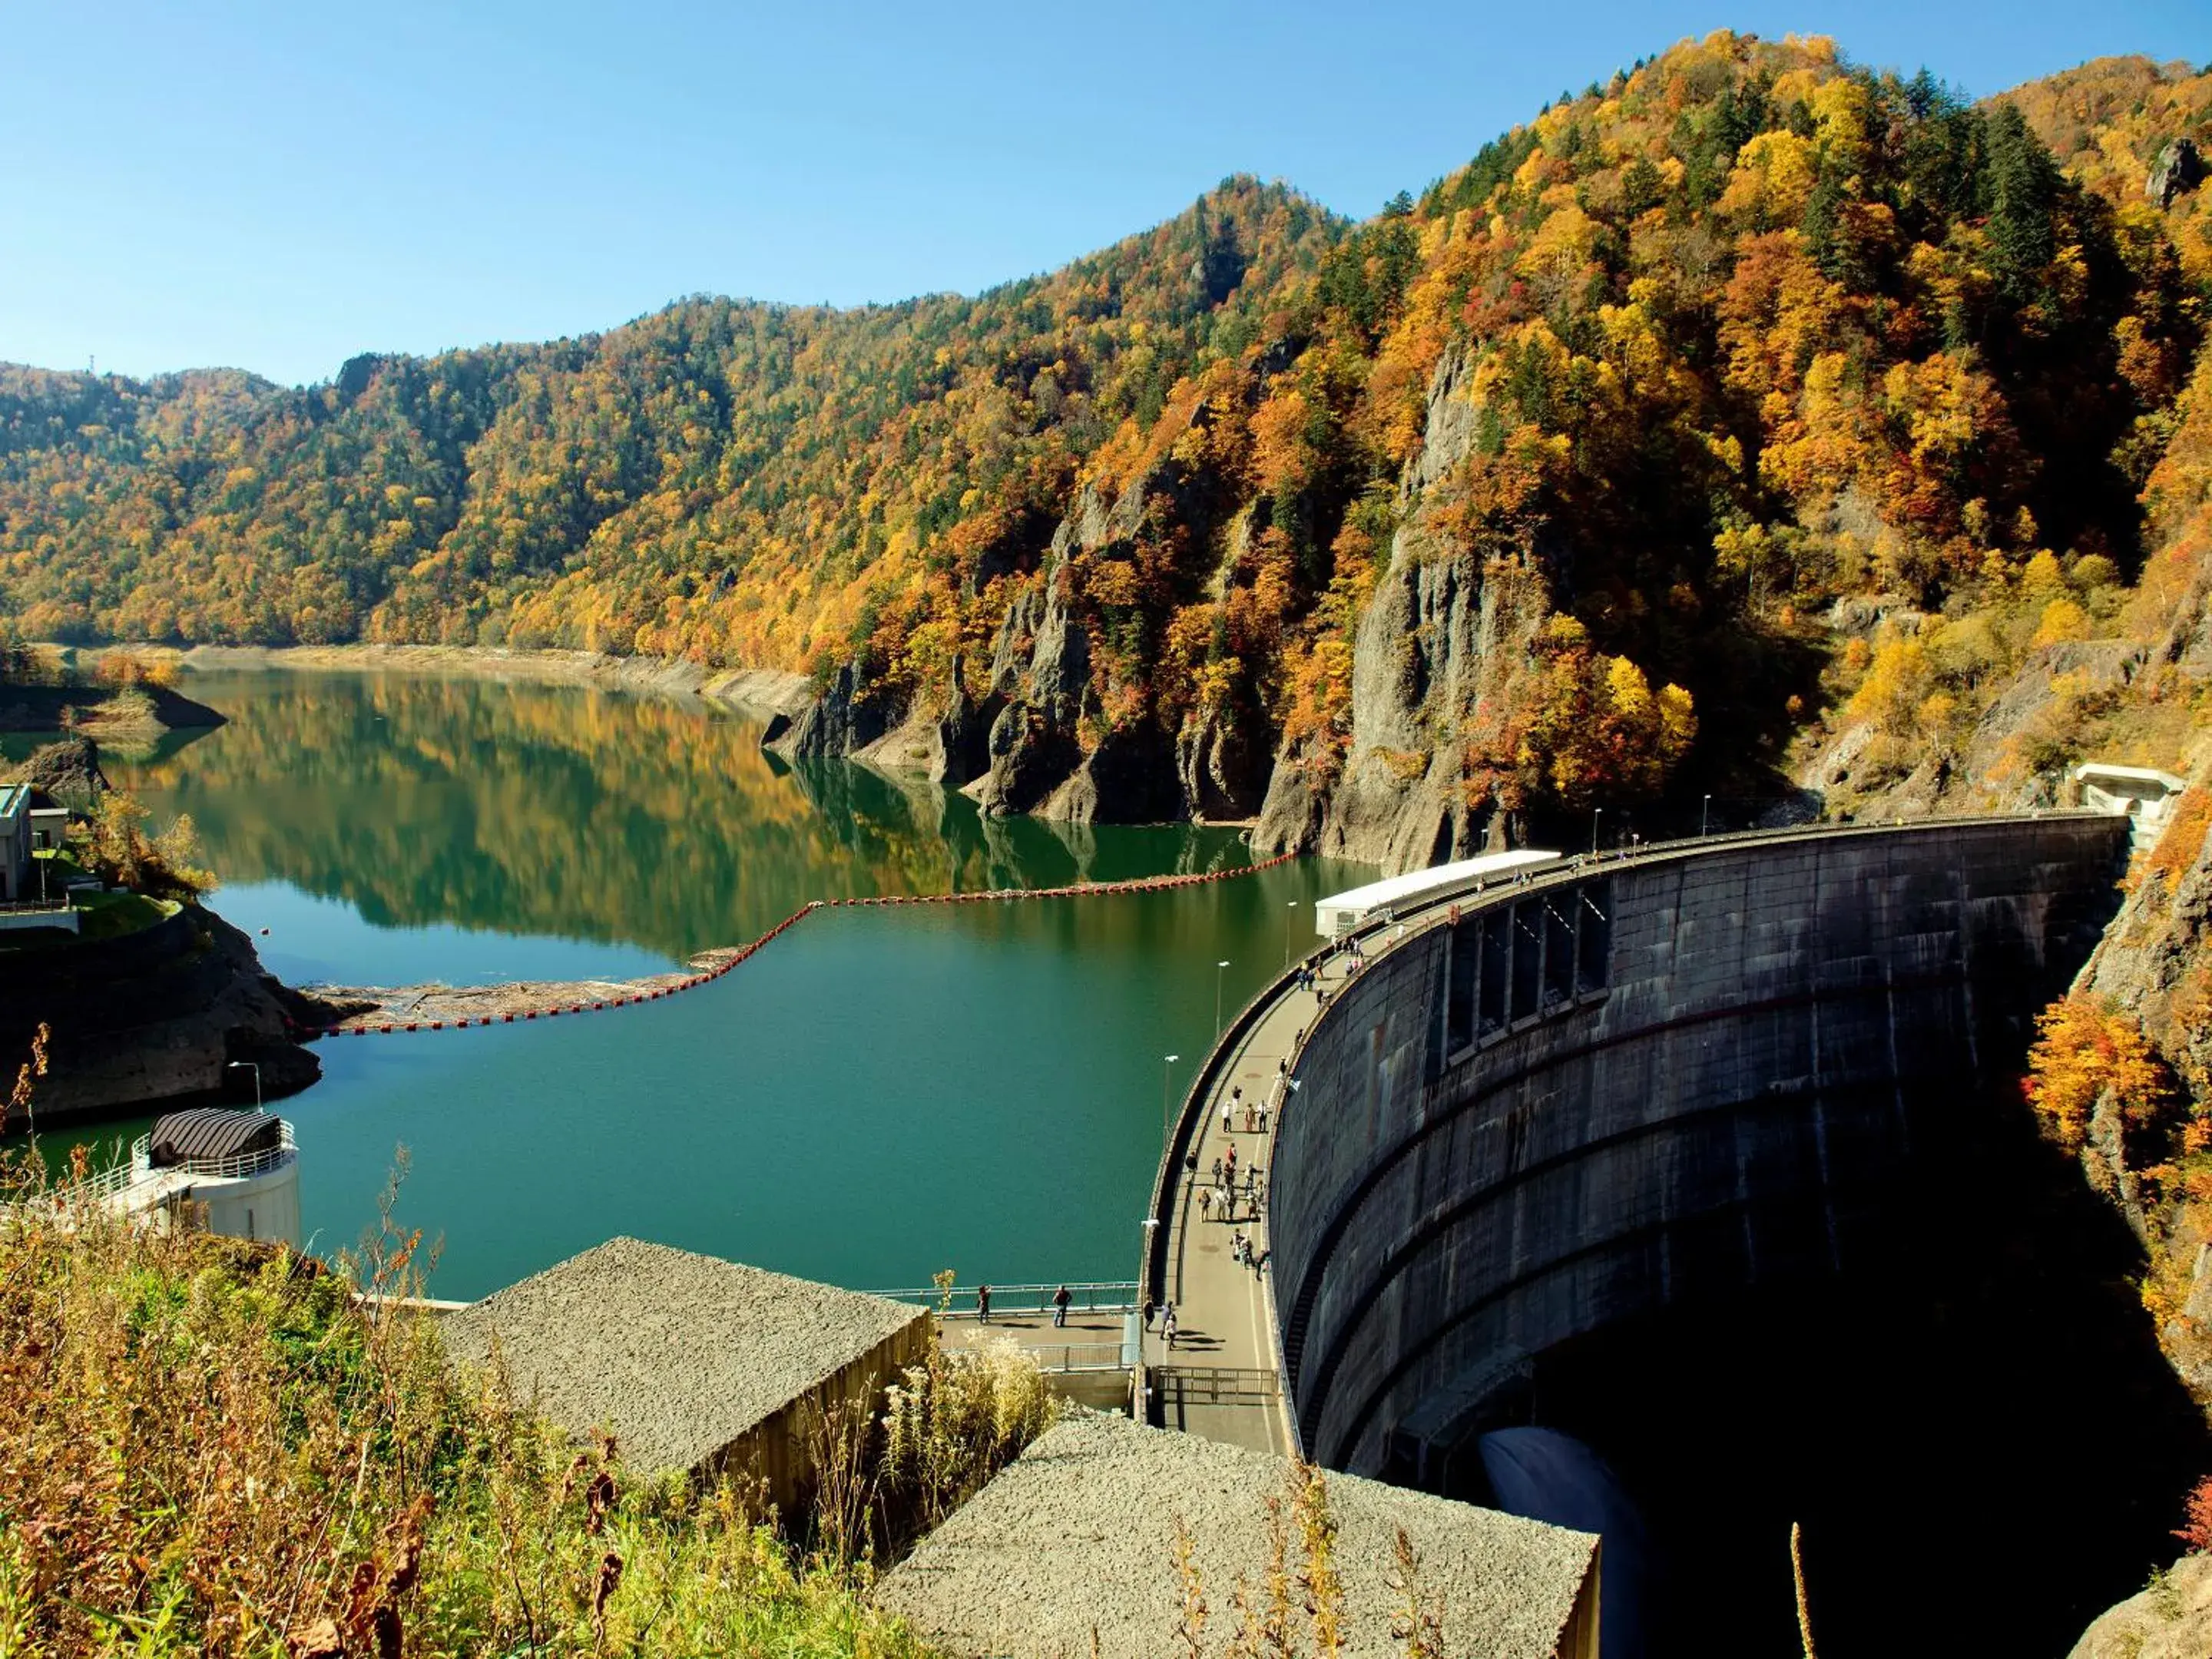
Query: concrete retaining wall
point(92, 962)
point(1615, 1090)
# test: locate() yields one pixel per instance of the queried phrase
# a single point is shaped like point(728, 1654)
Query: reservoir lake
point(879, 1095)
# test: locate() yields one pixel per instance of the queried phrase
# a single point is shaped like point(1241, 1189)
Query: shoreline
point(769, 689)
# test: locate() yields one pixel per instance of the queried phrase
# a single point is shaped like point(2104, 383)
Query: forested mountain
point(1619, 461)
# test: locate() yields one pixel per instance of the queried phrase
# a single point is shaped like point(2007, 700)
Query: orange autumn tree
point(1600, 732)
point(2085, 1048)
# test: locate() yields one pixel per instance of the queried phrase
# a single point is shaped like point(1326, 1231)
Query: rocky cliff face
point(152, 1017)
point(1046, 727)
point(2172, 1619)
point(1440, 653)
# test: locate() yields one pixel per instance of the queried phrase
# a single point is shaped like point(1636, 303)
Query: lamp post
point(1705, 817)
point(1597, 813)
point(1219, 968)
point(1287, 917)
point(248, 1066)
point(1166, 1068)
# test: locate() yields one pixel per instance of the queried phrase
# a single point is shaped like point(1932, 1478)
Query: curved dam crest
point(1624, 1087)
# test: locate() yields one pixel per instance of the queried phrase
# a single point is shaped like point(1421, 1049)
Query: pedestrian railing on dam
point(1175, 1386)
point(959, 1300)
point(1079, 1358)
point(1545, 946)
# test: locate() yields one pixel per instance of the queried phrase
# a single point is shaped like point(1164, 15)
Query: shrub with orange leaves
point(2197, 1531)
point(2085, 1050)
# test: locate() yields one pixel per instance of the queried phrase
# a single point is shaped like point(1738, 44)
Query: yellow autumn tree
point(1600, 732)
point(2086, 1049)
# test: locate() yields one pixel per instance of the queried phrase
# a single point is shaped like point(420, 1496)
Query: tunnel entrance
point(1974, 1428)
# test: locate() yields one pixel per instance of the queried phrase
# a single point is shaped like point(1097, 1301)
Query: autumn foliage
point(2196, 1531)
point(1740, 333)
point(2086, 1052)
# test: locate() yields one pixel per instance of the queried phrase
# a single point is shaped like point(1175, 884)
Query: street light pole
point(1705, 817)
point(1287, 918)
point(1595, 814)
point(1218, 968)
point(1166, 1066)
point(248, 1066)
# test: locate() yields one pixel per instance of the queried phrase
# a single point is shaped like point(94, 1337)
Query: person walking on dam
point(1061, 1298)
point(1168, 1323)
point(983, 1305)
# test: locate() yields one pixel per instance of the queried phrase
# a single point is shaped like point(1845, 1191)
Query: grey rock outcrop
point(1040, 673)
point(2172, 1619)
point(1439, 651)
point(2179, 167)
point(1053, 734)
point(1055, 750)
point(1216, 769)
point(152, 1016)
point(2003, 763)
point(848, 715)
point(68, 770)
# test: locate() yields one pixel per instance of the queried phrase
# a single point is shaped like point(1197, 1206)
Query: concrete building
point(1073, 1544)
point(2140, 793)
point(691, 1362)
point(49, 827)
point(235, 1173)
point(15, 842)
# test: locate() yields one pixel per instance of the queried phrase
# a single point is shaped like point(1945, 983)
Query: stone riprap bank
point(1621, 1087)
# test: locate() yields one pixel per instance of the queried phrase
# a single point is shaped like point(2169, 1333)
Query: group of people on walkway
point(1061, 1298)
point(1223, 1194)
point(1250, 1114)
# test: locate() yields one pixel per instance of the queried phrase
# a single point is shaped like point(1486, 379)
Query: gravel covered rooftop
point(679, 1354)
point(1077, 1533)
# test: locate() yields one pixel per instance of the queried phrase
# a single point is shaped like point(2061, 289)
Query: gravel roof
point(1078, 1535)
point(679, 1354)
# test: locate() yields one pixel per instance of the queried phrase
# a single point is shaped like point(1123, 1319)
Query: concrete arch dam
point(1626, 1087)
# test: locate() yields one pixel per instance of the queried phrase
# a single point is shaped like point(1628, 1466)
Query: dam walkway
point(1220, 1378)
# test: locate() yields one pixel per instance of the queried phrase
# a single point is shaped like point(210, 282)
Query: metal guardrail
point(1090, 1295)
point(1214, 1385)
point(109, 1181)
point(1079, 1358)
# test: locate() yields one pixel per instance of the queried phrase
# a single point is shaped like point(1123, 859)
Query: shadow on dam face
point(1973, 1426)
point(1717, 1163)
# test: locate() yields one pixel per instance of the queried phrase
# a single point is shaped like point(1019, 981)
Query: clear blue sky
point(278, 187)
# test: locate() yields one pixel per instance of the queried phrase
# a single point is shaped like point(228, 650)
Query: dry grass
point(208, 1447)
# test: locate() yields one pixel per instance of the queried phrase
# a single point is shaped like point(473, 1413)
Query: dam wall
point(1627, 1086)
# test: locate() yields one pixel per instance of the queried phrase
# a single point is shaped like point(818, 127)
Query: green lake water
point(879, 1095)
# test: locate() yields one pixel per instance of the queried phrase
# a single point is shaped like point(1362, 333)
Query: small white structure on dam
point(1337, 915)
point(240, 1170)
point(2142, 793)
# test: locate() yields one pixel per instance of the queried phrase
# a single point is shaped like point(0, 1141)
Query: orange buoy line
point(731, 957)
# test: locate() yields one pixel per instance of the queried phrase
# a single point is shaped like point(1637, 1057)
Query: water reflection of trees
point(559, 810)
